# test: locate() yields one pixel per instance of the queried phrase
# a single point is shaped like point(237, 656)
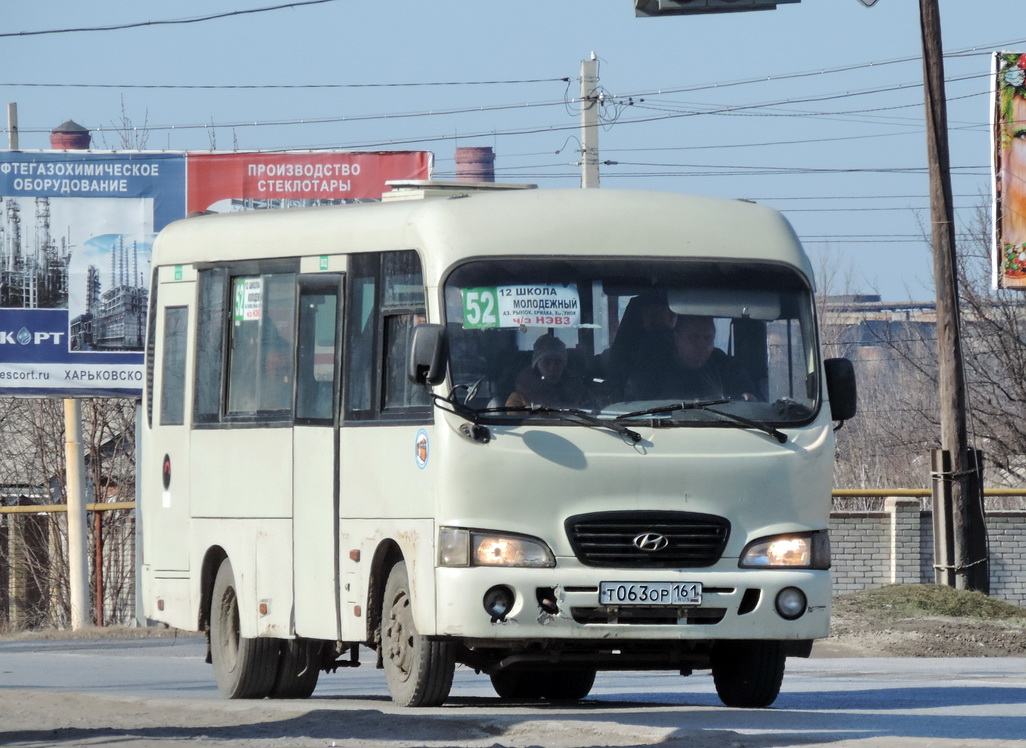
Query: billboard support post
point(78, 536)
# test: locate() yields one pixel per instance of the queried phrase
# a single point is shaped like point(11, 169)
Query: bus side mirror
point(428, 353)
point(840, 380)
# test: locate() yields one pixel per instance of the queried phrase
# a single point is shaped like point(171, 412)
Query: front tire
point(244, 668)
point(418, 669)
point(748, 674)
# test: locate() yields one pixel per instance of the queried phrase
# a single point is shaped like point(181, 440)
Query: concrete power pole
point(959, 560)
point(12, 126)
point(589, 122)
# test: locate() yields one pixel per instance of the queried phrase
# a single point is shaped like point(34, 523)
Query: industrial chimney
point(475, 165)
point(70, 136)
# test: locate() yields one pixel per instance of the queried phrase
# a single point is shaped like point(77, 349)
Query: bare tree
point(32, 441)
point(994, 337)
point(888, 443)
point(129, 136)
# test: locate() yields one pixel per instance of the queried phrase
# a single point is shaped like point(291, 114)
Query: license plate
point(650, 593)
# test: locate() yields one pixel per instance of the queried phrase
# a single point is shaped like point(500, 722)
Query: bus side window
point(260, 363)
point(402, 302)
point(359, 345)
point(210, 325)
point(399, 391)
point(385, 300)
point(317, 343)
point(172, 370)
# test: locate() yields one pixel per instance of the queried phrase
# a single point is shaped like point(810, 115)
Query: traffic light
point(645, 8)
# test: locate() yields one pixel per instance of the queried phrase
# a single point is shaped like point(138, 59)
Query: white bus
point(536, 433)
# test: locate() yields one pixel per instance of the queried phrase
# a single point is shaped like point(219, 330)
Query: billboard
point(76, 230)
point(1009, 148)
point(242, 181)
point(76, 234)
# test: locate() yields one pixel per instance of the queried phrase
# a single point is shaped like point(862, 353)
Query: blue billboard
point(76, 233)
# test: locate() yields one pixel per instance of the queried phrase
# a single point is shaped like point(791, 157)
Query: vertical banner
point(76, 230)
point(225, 182)
point(1009, 148)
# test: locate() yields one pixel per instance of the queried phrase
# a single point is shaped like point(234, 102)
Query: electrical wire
point(198, 19)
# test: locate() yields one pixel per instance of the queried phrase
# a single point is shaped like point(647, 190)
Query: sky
point(815, 108)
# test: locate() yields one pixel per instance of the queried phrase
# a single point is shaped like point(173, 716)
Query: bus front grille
point(648, 540)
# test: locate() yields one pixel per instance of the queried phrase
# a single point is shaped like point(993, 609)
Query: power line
point(198, 19)
point(967, 52)
point(260, 86)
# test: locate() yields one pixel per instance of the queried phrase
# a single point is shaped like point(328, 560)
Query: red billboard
point(220, 182)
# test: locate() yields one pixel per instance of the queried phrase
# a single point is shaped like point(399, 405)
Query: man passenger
point(699, 371)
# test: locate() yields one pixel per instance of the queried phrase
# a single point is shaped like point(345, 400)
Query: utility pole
point(958, 562)
point(12, 126)
point(589, 122)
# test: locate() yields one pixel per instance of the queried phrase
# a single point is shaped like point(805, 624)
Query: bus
point(535, 433)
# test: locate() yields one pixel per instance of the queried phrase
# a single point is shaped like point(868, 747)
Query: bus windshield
point(673, 342)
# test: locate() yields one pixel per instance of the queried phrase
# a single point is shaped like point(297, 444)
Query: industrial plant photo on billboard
point(86, 255)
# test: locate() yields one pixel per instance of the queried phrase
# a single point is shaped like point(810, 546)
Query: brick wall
point(871, 549)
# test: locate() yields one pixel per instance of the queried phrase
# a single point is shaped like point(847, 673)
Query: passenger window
point(315, 369)
point(210, 324)
point(261, 367)
point(359, 349)
point(172, 373)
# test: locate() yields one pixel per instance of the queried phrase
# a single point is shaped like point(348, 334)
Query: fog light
point(498, 602)
point(791, 603)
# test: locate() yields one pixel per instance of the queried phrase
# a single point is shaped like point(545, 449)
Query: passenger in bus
point(643, 339)
point(546, 381)
point(699, 371)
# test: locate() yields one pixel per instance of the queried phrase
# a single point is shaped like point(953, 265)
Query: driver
point(698, 371)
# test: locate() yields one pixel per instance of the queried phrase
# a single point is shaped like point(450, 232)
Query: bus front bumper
point(516, 603)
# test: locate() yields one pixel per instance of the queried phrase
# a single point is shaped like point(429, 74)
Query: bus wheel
point(566, 684)
point(518, 683)
point(570, 684)
point(297, 670)
point(748, 674)
point(244, 668)
point(418, 669)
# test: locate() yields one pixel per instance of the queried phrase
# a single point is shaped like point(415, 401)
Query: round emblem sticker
point(421, 449)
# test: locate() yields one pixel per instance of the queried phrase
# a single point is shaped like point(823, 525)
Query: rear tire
point(244, 668)
point(418, 669)
point(748, 674)
point(298, 669)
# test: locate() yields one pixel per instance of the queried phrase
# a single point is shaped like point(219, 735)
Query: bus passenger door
point(315, 453)
point(167, 467)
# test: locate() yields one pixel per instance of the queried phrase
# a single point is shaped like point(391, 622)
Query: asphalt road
point(142, 692)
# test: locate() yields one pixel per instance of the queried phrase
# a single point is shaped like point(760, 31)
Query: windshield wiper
point(704, 405)
point(570, 414)
point(673, 407)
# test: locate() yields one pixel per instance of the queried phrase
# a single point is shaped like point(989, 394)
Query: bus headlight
point(459, 547)
point(808, 550)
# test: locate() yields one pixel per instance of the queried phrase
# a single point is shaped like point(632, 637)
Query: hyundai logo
point(651, 542)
